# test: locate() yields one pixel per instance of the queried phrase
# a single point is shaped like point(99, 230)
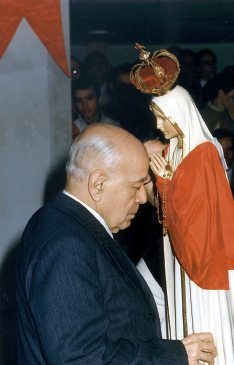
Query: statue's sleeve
point(200, 218)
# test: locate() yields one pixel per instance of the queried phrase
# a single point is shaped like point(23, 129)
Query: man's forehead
point(231, 93)
point(83, 93)
point(140, 174)
point(226, 141)
point(142, 177)
point(133, 180)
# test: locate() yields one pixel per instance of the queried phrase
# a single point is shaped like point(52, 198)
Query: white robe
point(206, 310)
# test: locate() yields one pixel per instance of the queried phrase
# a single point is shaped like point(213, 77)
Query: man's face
point(99, 69)
point(86, 102)
point(227, 146)
point(229, 101)
point(124, 77)
point(207, 67)
point(123, 193)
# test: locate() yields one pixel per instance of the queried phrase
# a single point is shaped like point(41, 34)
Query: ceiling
point(152, 21)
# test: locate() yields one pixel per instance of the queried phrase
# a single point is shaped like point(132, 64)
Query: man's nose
point(141, 195)
point(83, 104)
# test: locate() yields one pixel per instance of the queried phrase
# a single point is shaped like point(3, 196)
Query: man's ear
point(96, 184)
point(222, 96)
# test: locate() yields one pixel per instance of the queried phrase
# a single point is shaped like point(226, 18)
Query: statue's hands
point(160, 167)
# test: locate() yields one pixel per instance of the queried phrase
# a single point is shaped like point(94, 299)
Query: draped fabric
point(200, 216)
point(44, 17)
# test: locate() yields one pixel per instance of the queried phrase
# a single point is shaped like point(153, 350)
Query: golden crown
point(156, 74)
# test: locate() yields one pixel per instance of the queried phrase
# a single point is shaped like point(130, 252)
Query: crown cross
point(144, 55)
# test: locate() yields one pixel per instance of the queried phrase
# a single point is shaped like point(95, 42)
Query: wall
point(35, 133)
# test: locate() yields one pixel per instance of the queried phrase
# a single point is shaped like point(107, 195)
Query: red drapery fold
point(44, 17)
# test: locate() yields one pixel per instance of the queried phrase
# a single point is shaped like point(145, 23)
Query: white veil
point(179, 105)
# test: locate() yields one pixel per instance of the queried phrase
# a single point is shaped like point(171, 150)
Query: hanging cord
point(184, 304)
point(161, 220)
point(168, 322)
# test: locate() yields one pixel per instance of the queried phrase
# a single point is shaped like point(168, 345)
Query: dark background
point(152, 21)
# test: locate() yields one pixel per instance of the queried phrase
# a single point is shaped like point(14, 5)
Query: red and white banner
point(43, 16)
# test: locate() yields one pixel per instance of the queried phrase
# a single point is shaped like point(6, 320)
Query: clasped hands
point(160, 166)
point(200, 348)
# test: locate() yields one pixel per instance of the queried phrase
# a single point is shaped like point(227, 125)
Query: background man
point(219, 92)
point(80, 299)
point(86, 99)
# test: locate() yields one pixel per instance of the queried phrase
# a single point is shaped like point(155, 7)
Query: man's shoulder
point(80, 123)
point(59, 223)
point(53, 213)
point(210, 116)
point(107, 120)
point(61, 218)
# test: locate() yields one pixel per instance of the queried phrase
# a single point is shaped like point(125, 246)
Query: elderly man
point(80, 300)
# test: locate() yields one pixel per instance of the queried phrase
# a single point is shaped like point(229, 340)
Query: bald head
point(106, 170)
point(103, 146)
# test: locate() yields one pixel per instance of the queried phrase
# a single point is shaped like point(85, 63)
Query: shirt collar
point(92, 211)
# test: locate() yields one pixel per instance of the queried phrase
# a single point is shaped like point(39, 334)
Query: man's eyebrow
point(83, 97)
point(147, 180)
point(142, 179)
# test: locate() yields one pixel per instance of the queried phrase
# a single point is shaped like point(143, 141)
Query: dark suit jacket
point(80, 299)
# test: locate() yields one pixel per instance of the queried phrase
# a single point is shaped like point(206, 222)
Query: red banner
point(44, 17)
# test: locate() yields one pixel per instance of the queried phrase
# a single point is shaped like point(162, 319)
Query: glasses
point(148, 181)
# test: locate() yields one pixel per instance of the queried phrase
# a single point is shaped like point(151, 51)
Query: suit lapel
point(128, 269)
point(112, 247)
